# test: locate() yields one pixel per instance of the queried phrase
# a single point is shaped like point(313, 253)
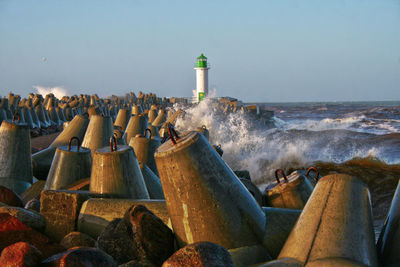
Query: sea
point(361, 139)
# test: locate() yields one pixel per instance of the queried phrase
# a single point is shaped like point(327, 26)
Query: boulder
point(10, 198)
point(77, 239)
point(200, 254)
point(31, 218)
point(20, 254)
point(154, 239)
point(139, 236)
point(80, 257)
point(117, 240)
point(13, 230)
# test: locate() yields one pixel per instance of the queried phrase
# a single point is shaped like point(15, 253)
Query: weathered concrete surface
point(205, 199)
point(96, 214)
point(144, 150)
point(33, 192)
point(290, 195)
point(336, 224)
point(153, 183)
point(15, 152)
point(98, 133)
point(122, 118)
point(136, 125)
point(41, 161)
point(280, 223)
point(117, 173)
point(68, 166)
point(61, 209)
point(389, 239)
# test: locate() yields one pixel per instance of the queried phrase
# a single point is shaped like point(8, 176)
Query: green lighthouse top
point(202, 61)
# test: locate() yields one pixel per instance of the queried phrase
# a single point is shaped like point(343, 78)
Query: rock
point(31, 218)
point(139, 236)
point(33, 204)
point(10, 198)
point(20, 254)
point(81, 257)
point(33, 192)
point(13, 230)
point(200, 254)
point(77, 239)
point(116, 240)
point(61, 209)
point(136, 263)
point(154, 239)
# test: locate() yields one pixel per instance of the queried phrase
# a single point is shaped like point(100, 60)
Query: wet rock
point(154, 239)
point(10, 198)
point(32, 219)
point(20, 254)
point(117, 240)
point(200, 254)
point(80, 257)
point(13, 230)
point(77, 239)
point(33, 204)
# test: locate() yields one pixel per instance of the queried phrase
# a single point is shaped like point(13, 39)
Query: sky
point(259, 51)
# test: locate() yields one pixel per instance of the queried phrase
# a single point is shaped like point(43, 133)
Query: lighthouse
point(201, 78)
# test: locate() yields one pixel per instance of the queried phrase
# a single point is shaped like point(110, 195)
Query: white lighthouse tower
point(201, 78)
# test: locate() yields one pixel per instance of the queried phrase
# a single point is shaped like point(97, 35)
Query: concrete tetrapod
point(160, 119)
point(291, 193)
point(98, 133)
point(205, 199)
point(153, 183)
point(69, 165)
point(122, 118)
point(116, 173)
point(152, 115)
point(145, 148)
point(335, 227)
point(389, 239)
point(41, 161)
point(136, 125)
point(15, 156)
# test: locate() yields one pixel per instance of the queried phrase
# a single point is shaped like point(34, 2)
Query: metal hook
point(312, 168)
point(147, 130)
point(113, 143)
point(78, 144)
point(283, 175)
point(172, 132)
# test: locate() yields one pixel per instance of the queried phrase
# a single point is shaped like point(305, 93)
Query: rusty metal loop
point(13, 118)
point(283, 175)
point(147, 130)
point(172, 132)
point(204, 127)
point(78, 143)
point(312, 168)
point(113, 143)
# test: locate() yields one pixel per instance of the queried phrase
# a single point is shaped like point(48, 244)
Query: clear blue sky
point(272, 50)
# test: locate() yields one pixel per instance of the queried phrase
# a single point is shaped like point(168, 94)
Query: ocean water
point(358, 138)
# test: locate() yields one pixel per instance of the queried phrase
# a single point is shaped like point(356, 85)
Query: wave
point(360, 123)
point(57, 91)
point(261, 150)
